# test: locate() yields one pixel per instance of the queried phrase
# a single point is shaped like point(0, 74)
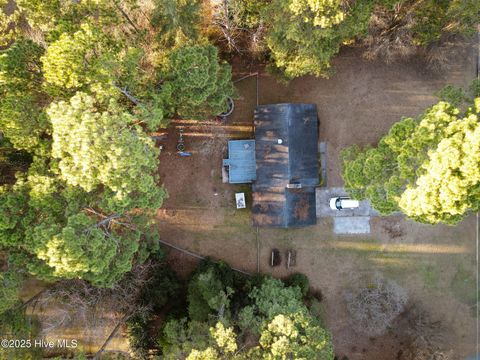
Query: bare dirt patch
point(361, 101)
point(356, 106)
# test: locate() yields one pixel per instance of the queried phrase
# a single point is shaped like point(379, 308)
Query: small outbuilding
point(241, 161)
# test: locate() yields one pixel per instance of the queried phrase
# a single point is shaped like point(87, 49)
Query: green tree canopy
point(274, 315)
point(177, 21)
point(180, 337)
point(46, 15)
point(269, 299)
point(435, 18)
point(98, 146)
point(47, 20)
point(78, 60)
point(22, 119)
point(72, 251)
point(448, 185)
point(293, 336)
point(77, 107)
point(426, 167)
point(55, 231)
point(303, 35)
point(224, 345)
point(401, 29)
point(200, 82)
point(207, 294)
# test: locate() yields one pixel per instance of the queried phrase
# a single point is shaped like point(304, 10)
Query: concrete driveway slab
point(323, 196)
point(351, 225)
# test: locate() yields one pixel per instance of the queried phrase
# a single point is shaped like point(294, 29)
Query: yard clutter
point(240, 200)
point(375, 307)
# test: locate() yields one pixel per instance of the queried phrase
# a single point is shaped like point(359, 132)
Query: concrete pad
point(351, 225)
point(323, 196)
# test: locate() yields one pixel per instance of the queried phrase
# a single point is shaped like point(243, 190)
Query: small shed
point(241, 161)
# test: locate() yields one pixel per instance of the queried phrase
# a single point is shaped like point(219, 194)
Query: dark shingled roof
point(287, 171)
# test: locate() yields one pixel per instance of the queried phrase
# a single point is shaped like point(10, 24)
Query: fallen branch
point(110, 337)
point(35, 297)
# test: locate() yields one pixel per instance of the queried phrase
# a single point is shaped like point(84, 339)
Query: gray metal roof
point(241, 161)
point(287, 170)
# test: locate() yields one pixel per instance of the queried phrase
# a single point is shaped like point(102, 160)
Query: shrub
point(373, 308)
point(475, 88)
point(299, 280)
point(452, 94)
point(11, 283)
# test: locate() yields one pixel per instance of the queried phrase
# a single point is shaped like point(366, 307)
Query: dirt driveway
point(361, 101)
point(435, 264)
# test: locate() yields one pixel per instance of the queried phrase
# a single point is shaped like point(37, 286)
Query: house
point(286, 165)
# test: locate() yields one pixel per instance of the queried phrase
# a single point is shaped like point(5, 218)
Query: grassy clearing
point(318, 310)
point(463, 286)
point(430, 275)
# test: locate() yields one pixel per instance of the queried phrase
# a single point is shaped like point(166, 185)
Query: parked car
point(340, 203)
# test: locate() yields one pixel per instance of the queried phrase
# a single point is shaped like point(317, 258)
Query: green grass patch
point(430, 275)
point(239, 218)
point(464, 287)
point(318, 310)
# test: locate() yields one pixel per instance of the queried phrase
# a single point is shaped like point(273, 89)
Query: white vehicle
point(340, 203)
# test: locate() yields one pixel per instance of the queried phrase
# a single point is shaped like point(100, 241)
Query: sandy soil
point(363, 99)
point(356, 106)
point(334, 264)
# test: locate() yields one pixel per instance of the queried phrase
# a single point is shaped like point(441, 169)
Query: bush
point(373, 308)
point(475, 88)
point(207, 294)
point(137, 332)
point(164, 286)
point(161, 288)
point(250, 12)
point(11, 283)
point(14, 324)
point(318, 310)
point(452, 94)
point(299, 280)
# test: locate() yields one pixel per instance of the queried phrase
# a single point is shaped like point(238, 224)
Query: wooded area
point(84, 83)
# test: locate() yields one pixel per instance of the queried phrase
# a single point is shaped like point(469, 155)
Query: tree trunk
point(110, 337)
point(129, 96)
point(125, 15)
